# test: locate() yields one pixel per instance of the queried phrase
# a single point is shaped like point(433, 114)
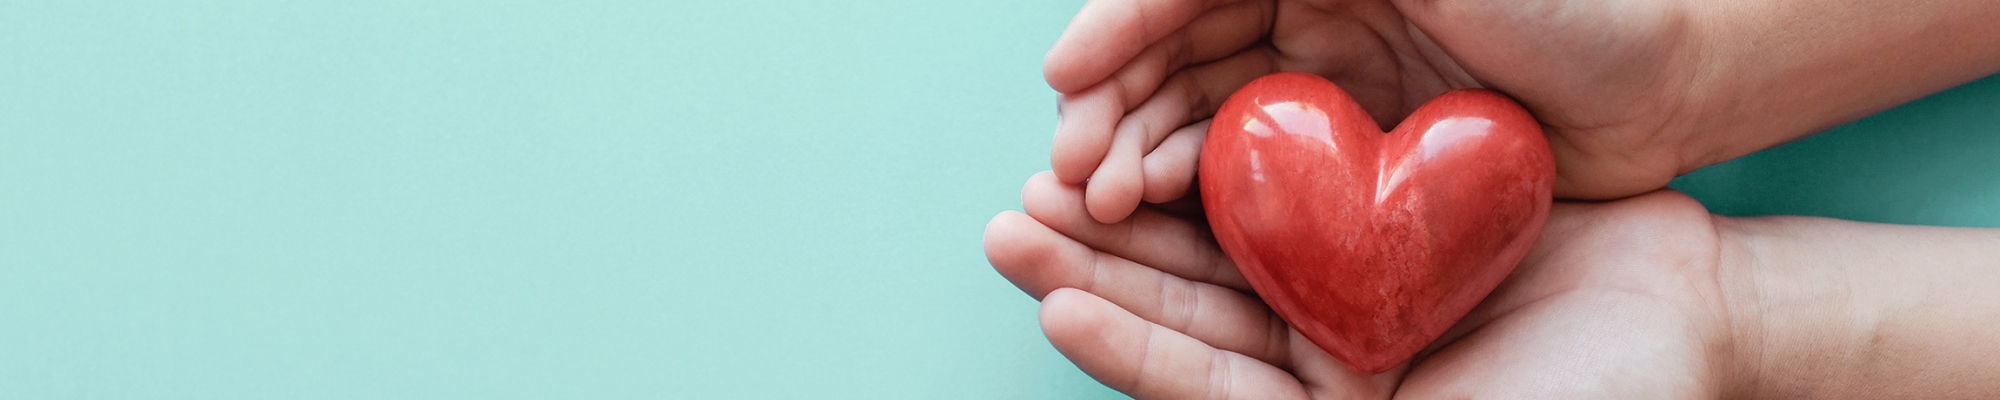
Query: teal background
point(745, 199)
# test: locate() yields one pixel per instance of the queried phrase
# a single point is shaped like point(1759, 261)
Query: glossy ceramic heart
point(1373, 244)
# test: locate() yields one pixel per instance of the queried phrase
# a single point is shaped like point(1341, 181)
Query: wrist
point(1803, 330)
point(1772, 71)
point(1737, 100)
point(1742, 342)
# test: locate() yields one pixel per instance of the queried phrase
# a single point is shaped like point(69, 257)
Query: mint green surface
point(681, 200)
point(490, 200)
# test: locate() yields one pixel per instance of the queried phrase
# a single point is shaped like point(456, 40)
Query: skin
point(1852, 310)
point(1631, 92)
point(1646, 297)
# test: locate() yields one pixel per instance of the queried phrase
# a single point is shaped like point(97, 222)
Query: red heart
point(1373, 244)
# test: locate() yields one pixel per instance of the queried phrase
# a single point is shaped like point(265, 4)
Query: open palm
point(1139, 78)
point(1618, 300)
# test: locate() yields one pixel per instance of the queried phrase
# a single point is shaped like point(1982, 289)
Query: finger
point(1170, 167)
point(1089, 116)
point(1115, 189)
point(1106, 34)
point(1149, 361)
point(1172, 245)
point(1016, 247)
point(1194, 94)
point(1040, 261)
point(1219, 33)
point(1083, 132)
point(1119, 183)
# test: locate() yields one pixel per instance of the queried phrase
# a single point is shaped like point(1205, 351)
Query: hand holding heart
point(1370, 246)
point(1140, 79)
point(1615, 301)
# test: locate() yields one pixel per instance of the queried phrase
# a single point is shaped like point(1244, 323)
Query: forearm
point(1782, 69)
point(1855, 310)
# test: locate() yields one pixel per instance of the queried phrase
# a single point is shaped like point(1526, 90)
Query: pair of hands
point(1619, 299)
point(1646, 296)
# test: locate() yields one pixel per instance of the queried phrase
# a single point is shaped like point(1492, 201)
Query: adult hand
point(1618, 300)
point(1631, 93)
point(1139, 77)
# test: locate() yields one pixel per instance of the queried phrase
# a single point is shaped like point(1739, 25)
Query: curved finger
point(1170, 244)
point(1220, 33)
point(1040, 261)
point(1189, 96)
point(1083, 131)
point(1170, 167)
point(1118, 185)
point(1194, 94)
point(1148, 361)
point(1091, 116)
point(1106, 34)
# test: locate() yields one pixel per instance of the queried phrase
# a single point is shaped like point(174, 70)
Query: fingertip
point(1105, 341)
point(1058, 65)
point(1078, 58)
point(1067, 74)
point(1062, 318)
point(1045, 193)
point(1162, 189)
point(1084, 133)
point(1114, 192)
point(1016, 245)
point(1002, 241)
point(1059, 69)
point(1039, 179)
point(1074, 324)
point(1060, 206)
point(1074, 173)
